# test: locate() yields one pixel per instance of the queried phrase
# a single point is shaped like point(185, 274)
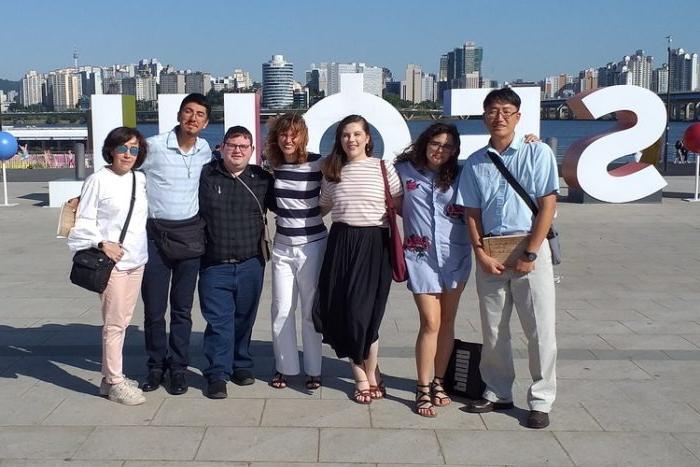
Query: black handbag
point(463, 377)
point(92, 267)
point(178, 239)
point(552, 235)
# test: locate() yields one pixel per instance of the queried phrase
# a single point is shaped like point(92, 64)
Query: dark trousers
point(229, 295)
point(178, 279)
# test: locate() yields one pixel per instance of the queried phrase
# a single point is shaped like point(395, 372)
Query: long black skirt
point(353, 288)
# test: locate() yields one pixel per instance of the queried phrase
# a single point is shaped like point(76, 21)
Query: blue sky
point(521, 39)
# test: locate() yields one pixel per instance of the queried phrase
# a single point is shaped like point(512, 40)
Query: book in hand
point(66, 219)
point(505, 248)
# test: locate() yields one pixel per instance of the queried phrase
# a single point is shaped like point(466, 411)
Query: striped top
point(358, 199)
point(296, 195)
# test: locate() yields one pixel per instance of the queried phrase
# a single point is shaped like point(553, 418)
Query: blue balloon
point(8, 146)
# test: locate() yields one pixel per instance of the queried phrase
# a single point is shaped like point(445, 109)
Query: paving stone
point(597, 314)
point(631, 449)
point(40, 442)
point(564, 417)
point(670, 370)
point(649, 354)
point(633, 416)
point(323, 413)
point(648, 342)
point(523, 448)
point(662, 327)
point(28, 409)
point(370, 445)
point(83, 409)
point(599, 369)
point(691, 441)
point(141, 443)
point(206, 412)
point(587, 326)
point(57, 463)
point(185, 464)
point(260, 444)
point(393, 413)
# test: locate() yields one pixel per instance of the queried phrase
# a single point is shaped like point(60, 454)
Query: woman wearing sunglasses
point(102, 213)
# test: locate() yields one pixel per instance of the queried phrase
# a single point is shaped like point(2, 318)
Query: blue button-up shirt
point(172, 176)
point(436, 245)
point(482, 186)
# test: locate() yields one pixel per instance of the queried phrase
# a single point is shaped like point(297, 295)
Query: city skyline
point(389, 36)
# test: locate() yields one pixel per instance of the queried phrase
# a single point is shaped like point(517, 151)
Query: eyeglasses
point(434, 145)
point(123, 149)
point(493, 114)
point(240, 147)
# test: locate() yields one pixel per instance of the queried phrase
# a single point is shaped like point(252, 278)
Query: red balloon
point(691, 138)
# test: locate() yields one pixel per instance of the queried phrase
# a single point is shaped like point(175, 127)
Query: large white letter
point(352, 100)
point(641, 120)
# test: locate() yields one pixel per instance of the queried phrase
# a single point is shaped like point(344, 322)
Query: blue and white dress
point(436, 242)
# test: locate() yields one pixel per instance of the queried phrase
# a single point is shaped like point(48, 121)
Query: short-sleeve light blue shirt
point(482, 186)
point(436, 246)
point(172, 176)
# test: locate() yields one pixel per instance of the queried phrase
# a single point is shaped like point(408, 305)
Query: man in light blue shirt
point(495, 208)
point(175, 241)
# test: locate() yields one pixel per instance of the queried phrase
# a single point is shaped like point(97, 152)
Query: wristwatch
point(530, 255)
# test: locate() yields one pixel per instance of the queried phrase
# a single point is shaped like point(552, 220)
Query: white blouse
point(104, 205)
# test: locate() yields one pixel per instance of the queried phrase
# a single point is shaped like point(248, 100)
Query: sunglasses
point(123, 149)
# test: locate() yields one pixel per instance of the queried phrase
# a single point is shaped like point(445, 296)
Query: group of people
point(201, 216)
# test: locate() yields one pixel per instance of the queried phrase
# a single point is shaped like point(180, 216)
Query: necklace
point(188, 166)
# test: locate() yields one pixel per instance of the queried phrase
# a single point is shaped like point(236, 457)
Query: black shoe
point(153, 380)
point(178, 383)
point(216, 389)
point(537, 419)
point(484, 406)
point(243, 377)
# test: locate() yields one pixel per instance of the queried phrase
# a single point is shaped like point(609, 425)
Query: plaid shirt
point(234, 224)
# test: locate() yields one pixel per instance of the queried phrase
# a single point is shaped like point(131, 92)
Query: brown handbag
point(398, 261)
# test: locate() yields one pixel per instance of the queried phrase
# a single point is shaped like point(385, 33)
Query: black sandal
point(313, 382)
point(279, 381)
point(424, 403)
point(438, 394)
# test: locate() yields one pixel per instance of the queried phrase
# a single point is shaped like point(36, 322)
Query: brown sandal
point(279, 381)
point(362, 396)
point(378, 391)
point(424, 402)
point(313, 382)
point(438, 394)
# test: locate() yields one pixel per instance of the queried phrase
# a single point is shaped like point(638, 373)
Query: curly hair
point(286, 122)
point(416, 153)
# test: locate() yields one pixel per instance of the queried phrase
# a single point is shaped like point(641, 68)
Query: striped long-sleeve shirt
point(297, 188)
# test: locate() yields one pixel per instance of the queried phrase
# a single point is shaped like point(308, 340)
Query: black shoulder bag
point(92, 267)
point(552, 235)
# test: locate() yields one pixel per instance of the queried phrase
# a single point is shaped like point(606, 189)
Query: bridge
point(685, 107)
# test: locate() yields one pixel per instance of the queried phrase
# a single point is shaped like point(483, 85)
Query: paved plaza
point(628, 323)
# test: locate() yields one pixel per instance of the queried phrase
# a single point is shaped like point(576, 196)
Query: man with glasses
point(494, 208)
point(233, 200)
point(175, 241)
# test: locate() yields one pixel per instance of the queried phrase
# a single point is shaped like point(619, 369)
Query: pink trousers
point(118, 303)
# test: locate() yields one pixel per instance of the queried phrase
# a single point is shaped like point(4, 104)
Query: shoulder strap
point(262, 213)
point(131, 207)
point(388, 199)
point(496, 159)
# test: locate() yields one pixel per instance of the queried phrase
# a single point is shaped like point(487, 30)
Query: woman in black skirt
point(356, 272)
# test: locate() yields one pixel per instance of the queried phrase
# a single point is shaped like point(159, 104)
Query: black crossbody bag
point(92, 267)
point(552, 235)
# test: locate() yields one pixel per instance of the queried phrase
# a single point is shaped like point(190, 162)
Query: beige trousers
point(118, 303)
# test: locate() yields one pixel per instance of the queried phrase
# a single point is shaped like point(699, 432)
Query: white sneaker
point(104, 386)
point(124, 393)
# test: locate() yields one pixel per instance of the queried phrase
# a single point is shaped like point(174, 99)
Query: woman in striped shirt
point(356, 272)
point(298, 249)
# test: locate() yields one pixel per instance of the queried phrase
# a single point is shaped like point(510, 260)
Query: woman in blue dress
point(438, 253)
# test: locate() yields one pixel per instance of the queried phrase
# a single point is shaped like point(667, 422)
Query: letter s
point(641, 120)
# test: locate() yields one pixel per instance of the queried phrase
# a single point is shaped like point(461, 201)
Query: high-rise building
point(278, 82)
point(460, 62)
point(150, 66)
point(242, 79)
point(587, 80)
point(172, 82)
point(141, 86)
point(429, 84)
point(198, 82)
point(31, 88)
point(65, 88)
point(328, 76)
point(444, 66)
point(684, 71)
point(636, 69)
point(412, 86)
point(659, 79)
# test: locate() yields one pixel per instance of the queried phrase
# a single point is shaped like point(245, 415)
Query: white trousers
point(295, 271)
point(534, 299)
